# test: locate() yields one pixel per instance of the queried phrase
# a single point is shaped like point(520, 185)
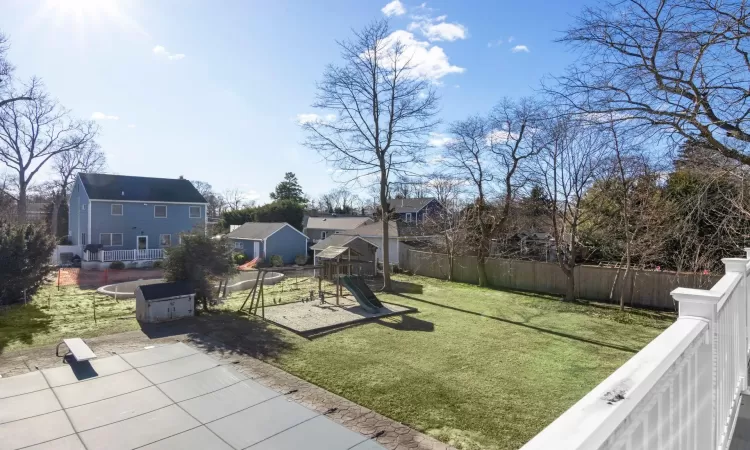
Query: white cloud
point(428, 61)
point(437, 29)
point(439, 140)
point(394, 8)
point(520, 48)
point(511, 39)
point(162, 52)
point(312, 117)
point(101, 116)
point(131, 125)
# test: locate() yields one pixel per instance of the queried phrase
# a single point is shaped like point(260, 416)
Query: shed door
point(256, 249)
point(161, 311)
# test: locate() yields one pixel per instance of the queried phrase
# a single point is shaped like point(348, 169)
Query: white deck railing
point(682, 391)
point(124, 255)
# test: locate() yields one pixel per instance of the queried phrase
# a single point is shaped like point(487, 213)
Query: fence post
point(700, 303)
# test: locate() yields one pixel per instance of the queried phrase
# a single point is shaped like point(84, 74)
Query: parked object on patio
point(78, 348)
point(160, 302)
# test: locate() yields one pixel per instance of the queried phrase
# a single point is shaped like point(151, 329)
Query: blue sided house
point(125, 218)
point(414, 210)
point(265, 239)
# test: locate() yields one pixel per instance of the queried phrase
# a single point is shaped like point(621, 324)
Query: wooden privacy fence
point(642, 288)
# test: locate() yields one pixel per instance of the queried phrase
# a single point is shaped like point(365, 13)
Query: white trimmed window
point(408, 217)
point(110, 239)
point(195, 212)
point(238, 245)
point(165, 240)
point(160, 211)
point(116, 209)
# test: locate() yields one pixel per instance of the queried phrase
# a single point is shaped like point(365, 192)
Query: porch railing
point(124, 255)
point(682, 390)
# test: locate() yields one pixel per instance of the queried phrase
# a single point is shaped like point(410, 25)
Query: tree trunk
point(625, 277)
point(55, 215)
point(570, 287)
point(481, 271)
point(21, 211)
point(386, 250)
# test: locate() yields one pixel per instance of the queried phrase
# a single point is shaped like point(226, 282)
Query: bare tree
point(572, 160)
point(66, 166)
point(445, 188)
point(492, 154)
point(234, 199)
point(340, 201)
point(7, 96)
point(677, 65)
point(468, 157)
point(215, 201)
point(32, 133)
point(381, 115)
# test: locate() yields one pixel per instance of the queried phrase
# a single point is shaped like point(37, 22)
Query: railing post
point(740, 265)
point(702, 304)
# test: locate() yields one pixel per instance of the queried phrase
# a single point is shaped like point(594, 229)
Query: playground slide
point(365, 289)
point(358, 295)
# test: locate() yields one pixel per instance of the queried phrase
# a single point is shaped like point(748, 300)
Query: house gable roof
point(375, 229)
point(409, 205)
point(100, 186)
point(165, 290)
point(257, 230)
point(336, 223)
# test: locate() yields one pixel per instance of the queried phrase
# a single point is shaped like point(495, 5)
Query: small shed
point(265, 239)
point(164, 301)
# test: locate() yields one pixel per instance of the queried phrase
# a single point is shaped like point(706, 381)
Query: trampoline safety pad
point(168, 397)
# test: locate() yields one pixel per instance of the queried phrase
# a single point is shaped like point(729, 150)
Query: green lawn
point(478, 368)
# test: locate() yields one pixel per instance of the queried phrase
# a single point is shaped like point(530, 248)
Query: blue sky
point(212, 90)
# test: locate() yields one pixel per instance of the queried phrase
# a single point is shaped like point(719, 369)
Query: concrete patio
point(309, 402)
point(170, 396)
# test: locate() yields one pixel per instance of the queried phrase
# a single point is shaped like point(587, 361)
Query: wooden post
point(93, 301)
point(338, 282)
point(59, 273)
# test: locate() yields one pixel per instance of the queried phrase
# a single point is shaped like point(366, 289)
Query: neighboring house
point(319, 228)
point(265, 239)
point(373, 233)
point(414, 210)
point(362, 251)
point(133, 213)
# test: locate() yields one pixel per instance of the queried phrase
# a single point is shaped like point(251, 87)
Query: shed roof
point(335, 252)
point(100, 186)
point(408, 205)
point(336, 223)
point(338, 240)
point(257, 230)
point(166, 290)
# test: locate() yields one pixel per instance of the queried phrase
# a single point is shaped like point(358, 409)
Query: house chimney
point(181, 177)
point(402, 202)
